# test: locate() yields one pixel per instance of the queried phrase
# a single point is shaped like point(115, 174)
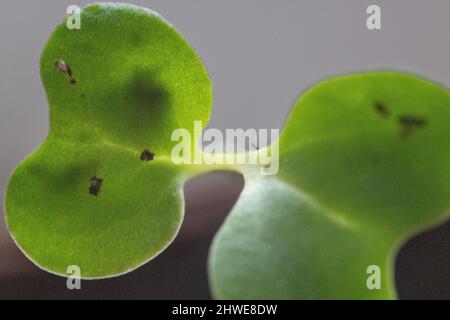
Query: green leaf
point(92, 195)
point(364, 164)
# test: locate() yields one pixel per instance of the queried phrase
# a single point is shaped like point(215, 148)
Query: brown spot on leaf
point(63, 67)
point(96, 185)
point(409, 123)
point(413, 121)
point(381, 109)
point(147, 155)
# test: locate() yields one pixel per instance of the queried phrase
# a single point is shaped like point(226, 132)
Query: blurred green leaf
point(364, 163)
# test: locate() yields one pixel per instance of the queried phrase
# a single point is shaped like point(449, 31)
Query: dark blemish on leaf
point(63, 67)
point(96, 184)
point(381, 109)
point(409, 124)
point(82, 95)
point(147, 155)
point(412, 121)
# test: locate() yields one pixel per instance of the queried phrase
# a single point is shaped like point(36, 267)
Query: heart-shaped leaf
point(101, 192)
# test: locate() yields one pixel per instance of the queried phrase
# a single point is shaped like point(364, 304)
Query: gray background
point(260, 55)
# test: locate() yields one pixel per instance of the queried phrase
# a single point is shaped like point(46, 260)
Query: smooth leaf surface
point(90, 196)
point(364, 163)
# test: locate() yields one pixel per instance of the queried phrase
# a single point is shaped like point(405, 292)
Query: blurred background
point(261, 55)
